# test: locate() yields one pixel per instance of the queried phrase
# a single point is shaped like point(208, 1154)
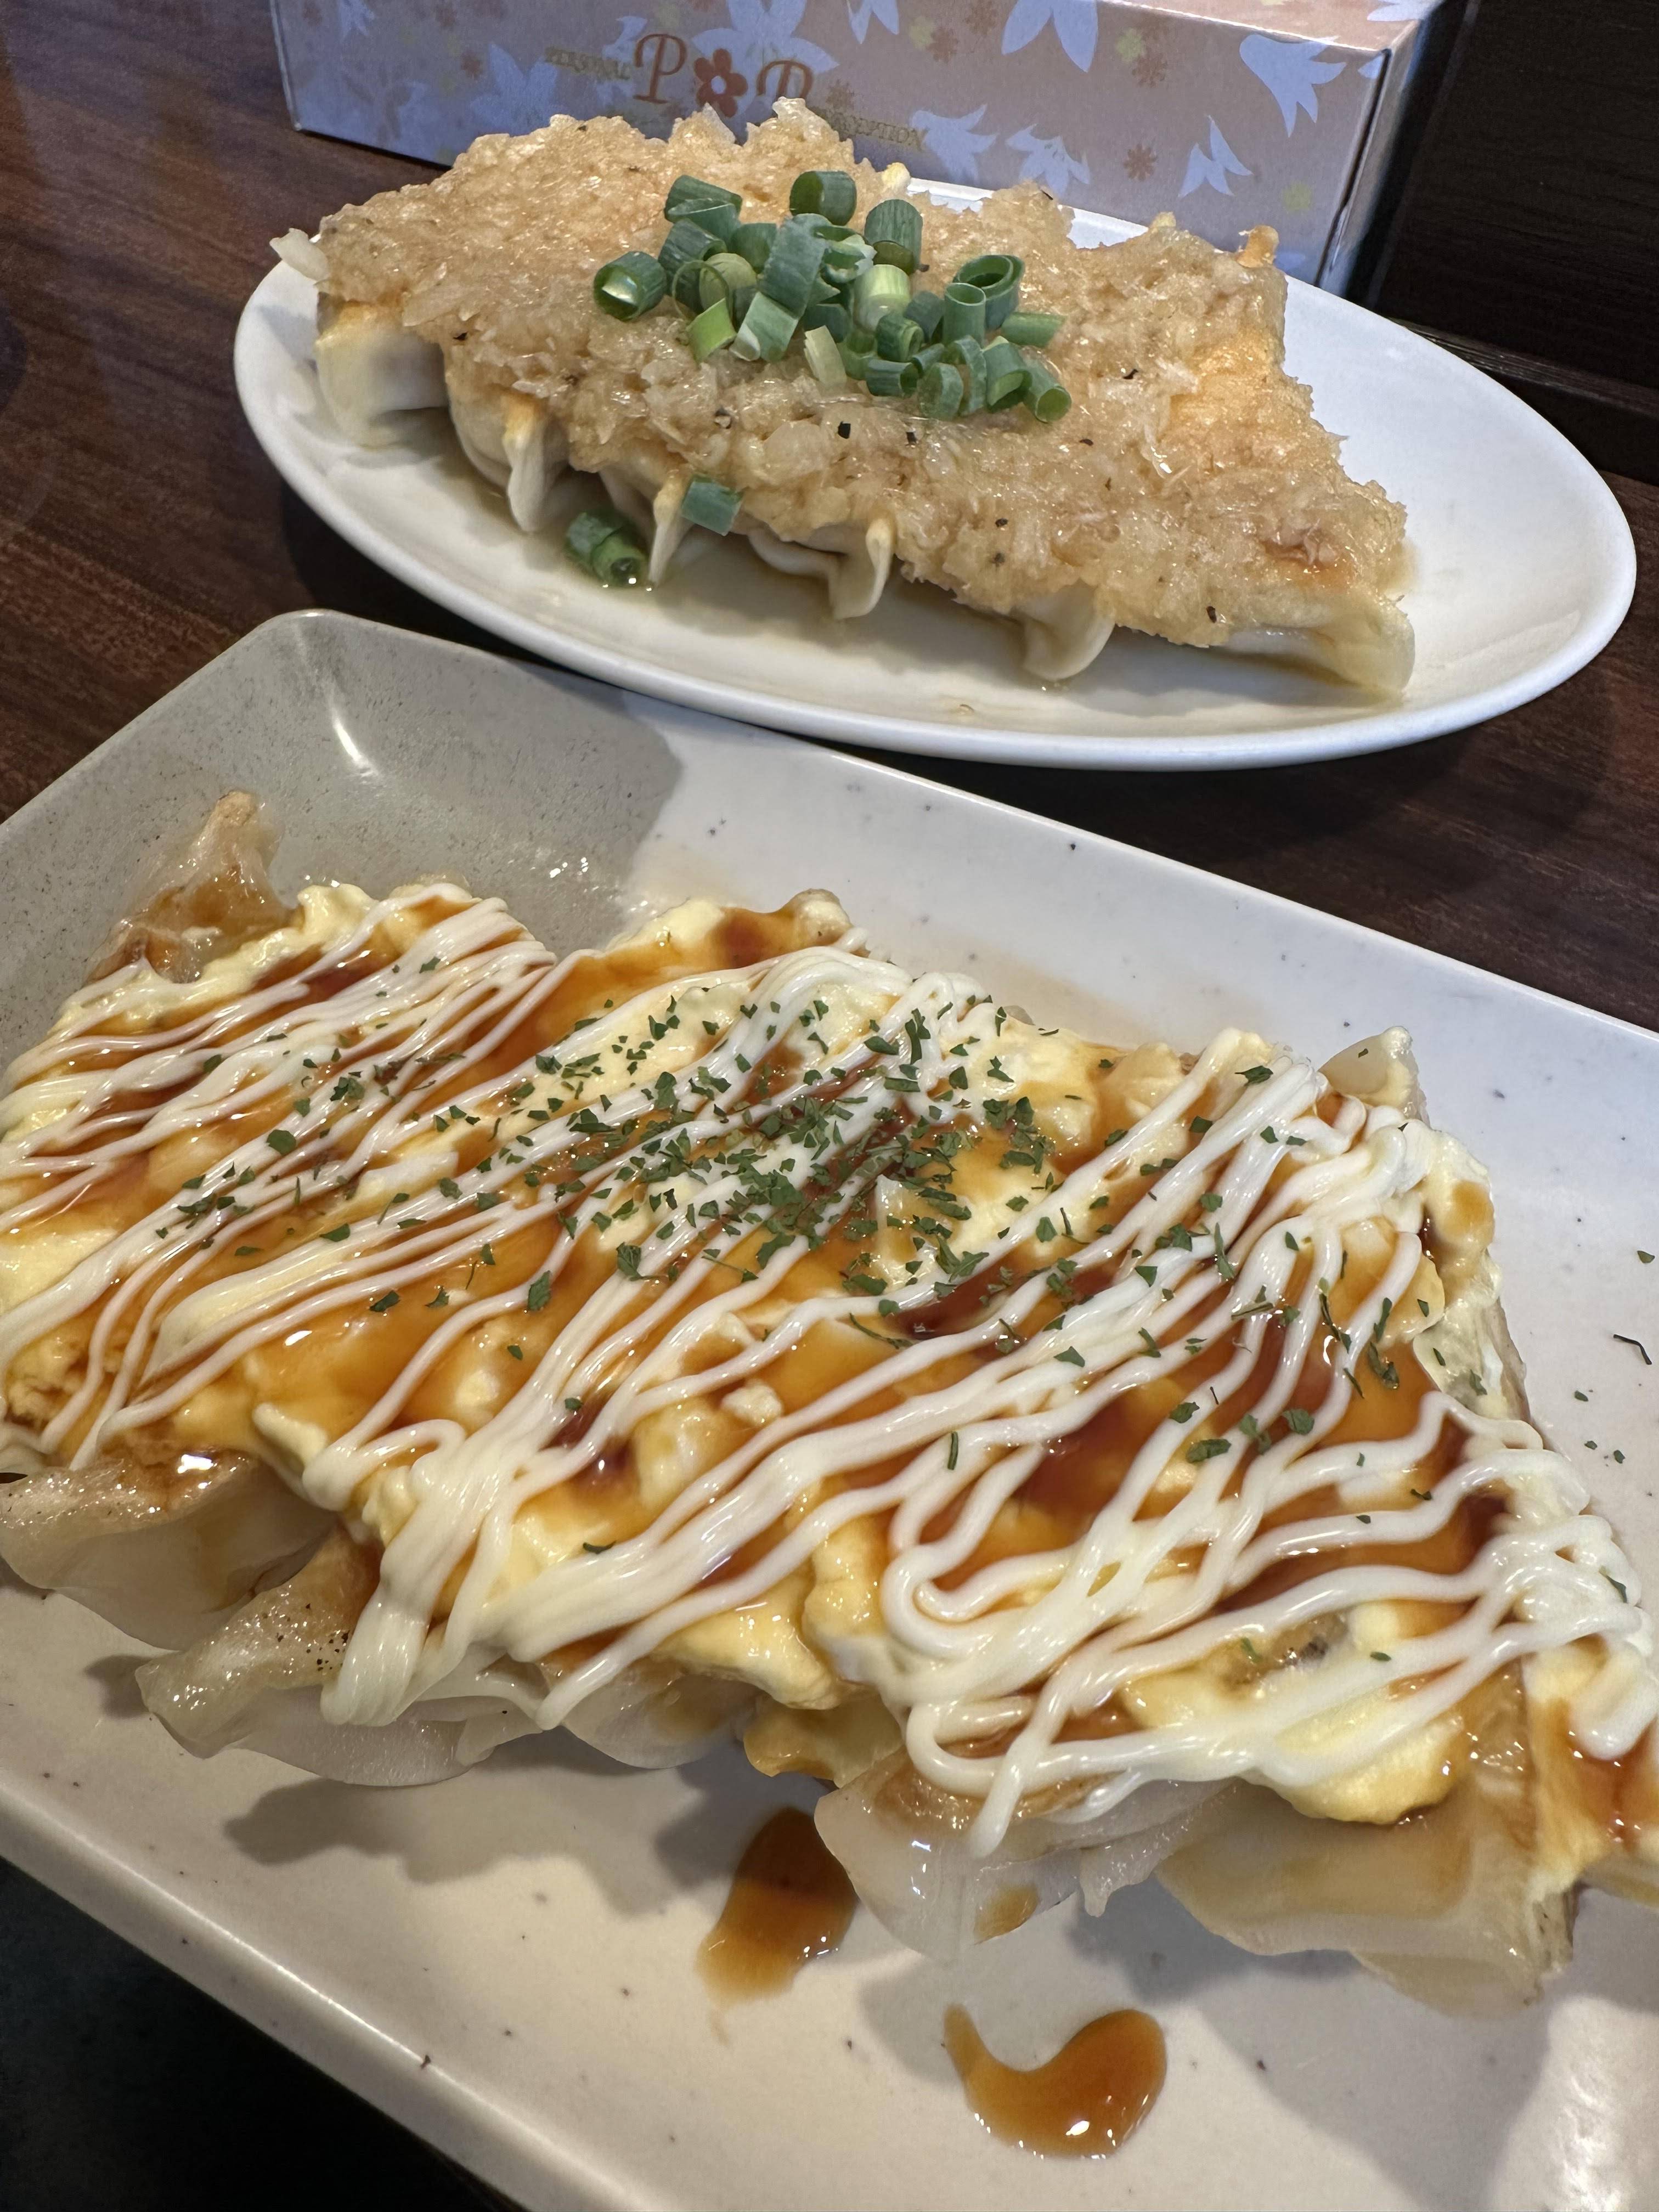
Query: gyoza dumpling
point(1092, 1463)
point(1188, 492)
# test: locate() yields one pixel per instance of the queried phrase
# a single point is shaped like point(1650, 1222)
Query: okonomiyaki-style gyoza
point(683, 319)
point(1092, 1461)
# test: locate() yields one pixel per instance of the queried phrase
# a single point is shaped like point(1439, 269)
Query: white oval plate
point(1523, 569)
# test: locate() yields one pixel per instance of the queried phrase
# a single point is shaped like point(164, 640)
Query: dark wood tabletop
point(146, 158)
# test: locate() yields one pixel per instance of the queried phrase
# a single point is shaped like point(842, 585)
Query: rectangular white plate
point(506, 1962)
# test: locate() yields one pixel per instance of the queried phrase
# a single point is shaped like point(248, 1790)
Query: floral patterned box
point(1230, 112)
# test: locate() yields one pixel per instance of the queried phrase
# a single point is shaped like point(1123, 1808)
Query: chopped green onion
point(710, 505)
point(727, 276)
point(791, 268)
point(719, 220)
point(893, 227)
point(824, 358)
point(827, 315)
point(1004, 375)
point(687, 241)
point(964, 312)
point(1025, 327)
point(928, 355)
point(688, 192)
point(1044, 394)
point(969, 355)
point(940, 392)
point(630, 287)
point(824, 191)
point(600, 541)
point(713, 328)
point(897, 337)
point(996, 275)
point(767, 330)
point(845, 261)
point(926, 309)
point(857, 350)
point(754, 241)
point(686, 288)
point(880, 290)
point(888, 380)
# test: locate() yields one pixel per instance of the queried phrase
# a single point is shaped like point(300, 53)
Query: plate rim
point(1347, 737)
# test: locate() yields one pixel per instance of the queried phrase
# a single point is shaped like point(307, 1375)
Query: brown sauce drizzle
point(1088, 2098)
point(790, 1902)
point(1008, 1909)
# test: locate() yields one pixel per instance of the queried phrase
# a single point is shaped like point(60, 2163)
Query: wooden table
point(145, 159)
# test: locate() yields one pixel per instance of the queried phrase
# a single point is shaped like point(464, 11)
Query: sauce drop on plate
point(1090, 2095)
point(790, 1902)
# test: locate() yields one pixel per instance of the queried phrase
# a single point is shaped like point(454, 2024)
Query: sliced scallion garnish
point(1004, 375)
point(767, 329)
point(1026, 327)
point(964, 312)
point(845, 261)
point(630, 286)
point(717, 218)
point(791, 268)
point(827, 315)
point(601, 541)
point(687, 192)
point(888, 379)
point(727, 276)
point(754, 241)
point(686, 241)
point(893, 227)
point(1044, 394)
point(897, 336)
point(996, 275)
point(967, 356)
point(824, 191)
point(823, 357)
point(940, 392)
point(685, 287)
point(711, 330)
point(711, 505)
point(927, 309)
point(880, 290)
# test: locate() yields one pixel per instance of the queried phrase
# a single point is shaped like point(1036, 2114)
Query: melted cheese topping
point(736, 1297)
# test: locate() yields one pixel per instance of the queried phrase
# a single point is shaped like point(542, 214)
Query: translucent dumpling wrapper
point(1449, 1904)
point(907, 1851)
point(255, 1683)
point(1095, 1462)
point(1064, 632)
point(1190, 491)
point(373, 371)
point(164, 1559)
point(513, 441)
point(853, 563)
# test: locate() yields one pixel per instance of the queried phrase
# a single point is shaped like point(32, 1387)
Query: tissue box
point(1229, 113)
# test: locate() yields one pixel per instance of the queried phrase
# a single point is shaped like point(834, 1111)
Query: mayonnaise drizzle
point(1237, 1216)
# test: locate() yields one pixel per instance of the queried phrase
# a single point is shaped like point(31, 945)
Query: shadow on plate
point(541, 1800)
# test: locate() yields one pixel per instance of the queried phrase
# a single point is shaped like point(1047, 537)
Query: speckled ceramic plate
point(506, 1962)
point(1523, 570)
